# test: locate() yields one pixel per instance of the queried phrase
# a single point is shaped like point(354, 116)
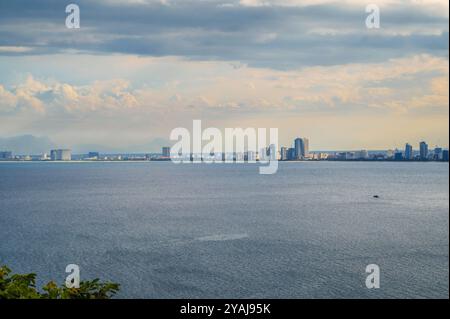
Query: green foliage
point(15, 286)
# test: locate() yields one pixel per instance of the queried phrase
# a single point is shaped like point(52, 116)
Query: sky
point(137, 69)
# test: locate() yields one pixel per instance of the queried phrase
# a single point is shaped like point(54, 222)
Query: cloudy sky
point(137, 69)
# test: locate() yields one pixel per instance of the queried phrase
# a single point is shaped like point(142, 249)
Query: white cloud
point(14, 49)
point(8, 100)
point(399, 82)
point(220, 93)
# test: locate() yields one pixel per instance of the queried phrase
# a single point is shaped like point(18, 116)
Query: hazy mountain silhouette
point(26, 144)
point(154, 146)
point(33, 145)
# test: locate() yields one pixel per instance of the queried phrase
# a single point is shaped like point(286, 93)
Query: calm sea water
point(185, 231)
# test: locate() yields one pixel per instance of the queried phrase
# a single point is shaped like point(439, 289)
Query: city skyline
point(158, 143)
point(309, 69)
point(298, 150)
point(235, 157)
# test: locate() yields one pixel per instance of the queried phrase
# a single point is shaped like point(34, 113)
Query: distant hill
point(154, 146)
point(26, 144)
point(32, 145)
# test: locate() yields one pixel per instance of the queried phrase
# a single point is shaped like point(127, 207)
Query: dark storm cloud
point(271, 36)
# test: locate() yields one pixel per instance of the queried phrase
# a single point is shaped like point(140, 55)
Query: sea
point(165, 230)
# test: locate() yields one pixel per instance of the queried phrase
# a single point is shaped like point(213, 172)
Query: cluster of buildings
point(55, 155)
point(6, 155)
point(298, 152)
point(67, 155)
point(423, 153)
point(61, 155)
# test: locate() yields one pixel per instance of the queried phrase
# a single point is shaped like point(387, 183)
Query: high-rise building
point(166, 151)
point(301, 147)
point(291, 154)
point(437, 154)
point(408, 152)
point(284, 153)
point(61, 155)
point(298, 148)
point(423, 150)
point(445, 155)
point(305, 147)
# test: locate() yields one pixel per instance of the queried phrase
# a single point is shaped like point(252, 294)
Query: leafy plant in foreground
point(23, 286)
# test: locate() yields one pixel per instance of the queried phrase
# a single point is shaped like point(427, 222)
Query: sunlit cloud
point(137, 68)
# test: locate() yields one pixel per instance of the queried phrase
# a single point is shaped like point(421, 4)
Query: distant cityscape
point(298, 152)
